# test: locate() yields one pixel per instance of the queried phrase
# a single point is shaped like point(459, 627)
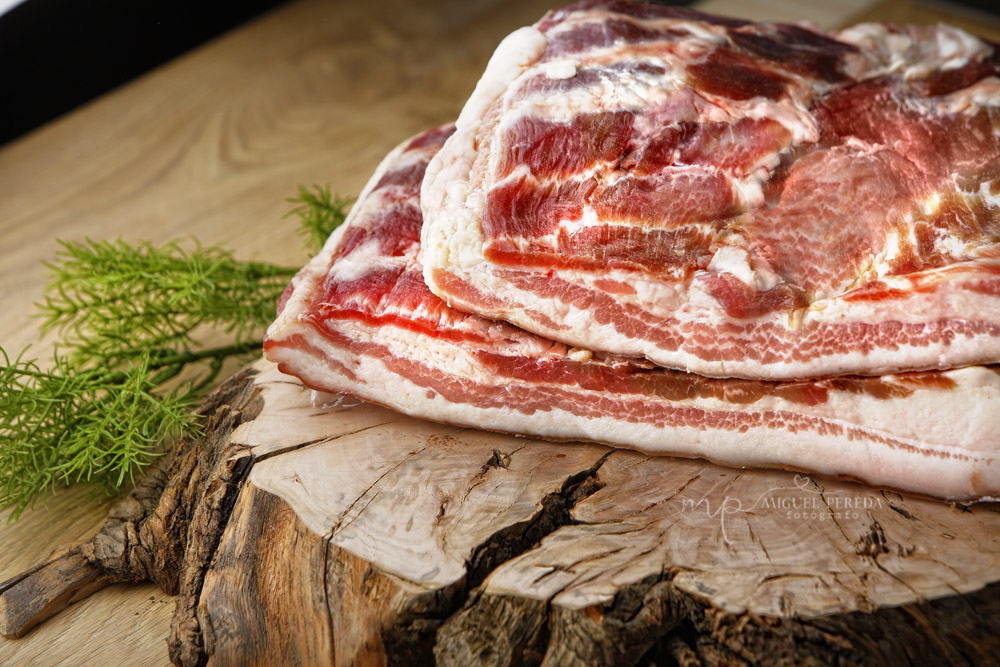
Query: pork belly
point(360, 320)
point(734, 199)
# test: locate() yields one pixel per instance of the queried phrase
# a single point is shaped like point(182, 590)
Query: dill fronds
point(319, 213)
point(130, 317)
point(65, 425)
point(114, 301)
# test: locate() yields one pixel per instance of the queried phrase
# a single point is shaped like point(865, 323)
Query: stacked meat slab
point(752, 243)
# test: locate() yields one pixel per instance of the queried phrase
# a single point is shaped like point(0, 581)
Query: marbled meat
point(360, 320)
point(734, 199)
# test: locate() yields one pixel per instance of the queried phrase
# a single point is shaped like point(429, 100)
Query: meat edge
point(960, 474)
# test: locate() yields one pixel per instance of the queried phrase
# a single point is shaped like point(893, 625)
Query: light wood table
point(210, 146)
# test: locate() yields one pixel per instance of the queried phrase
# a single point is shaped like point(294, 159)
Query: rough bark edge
point(221, 469)
point(146, 534)
point(655, 623)
point(265, 592)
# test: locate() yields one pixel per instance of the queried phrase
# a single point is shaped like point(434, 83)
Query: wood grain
point(825, 15)
point(488, 549)
point(589, 555)
point(210, 145)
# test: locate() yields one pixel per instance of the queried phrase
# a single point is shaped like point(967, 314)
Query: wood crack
point(341, 525)
point(245, 563)
point(497, 459)
point(512, 541)
point(328, 604)
point(316, 441)
point(453, 643)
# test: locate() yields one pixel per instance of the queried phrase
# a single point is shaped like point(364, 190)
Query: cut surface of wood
point(353, 535)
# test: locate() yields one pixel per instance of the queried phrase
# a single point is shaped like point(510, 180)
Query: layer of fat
point(962, 465)
point(910, 51)
point(737, 261)
point(626, 91)
point(368, 256)
point(638, 89)
point(916, 417)
point(983, 93)
point(677, 304)
point(307, 280)
point(451, 231)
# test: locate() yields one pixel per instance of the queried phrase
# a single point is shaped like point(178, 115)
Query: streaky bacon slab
point(775, 202)
point(359, 320)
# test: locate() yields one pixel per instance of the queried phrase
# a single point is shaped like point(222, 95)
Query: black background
point(57, 54)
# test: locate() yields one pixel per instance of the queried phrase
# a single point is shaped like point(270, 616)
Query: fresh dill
point(130, 367)
point(319, 213)
point(114, 301)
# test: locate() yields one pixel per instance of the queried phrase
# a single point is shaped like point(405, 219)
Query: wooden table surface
point(210, 146)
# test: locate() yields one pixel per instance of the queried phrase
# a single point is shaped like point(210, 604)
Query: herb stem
point(171, 362)
point(131, 317)
point(221, 352)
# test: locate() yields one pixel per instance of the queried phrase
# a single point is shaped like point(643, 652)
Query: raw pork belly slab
point(359, 320)
point(729, 198)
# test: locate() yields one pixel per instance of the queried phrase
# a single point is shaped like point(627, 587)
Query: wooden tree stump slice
point(354, 535)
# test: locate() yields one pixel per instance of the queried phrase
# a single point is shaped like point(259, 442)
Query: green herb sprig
point(319, 213)
point(115, 301)
point(129, 369)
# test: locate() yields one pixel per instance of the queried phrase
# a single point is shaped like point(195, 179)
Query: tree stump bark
point(355, 536)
